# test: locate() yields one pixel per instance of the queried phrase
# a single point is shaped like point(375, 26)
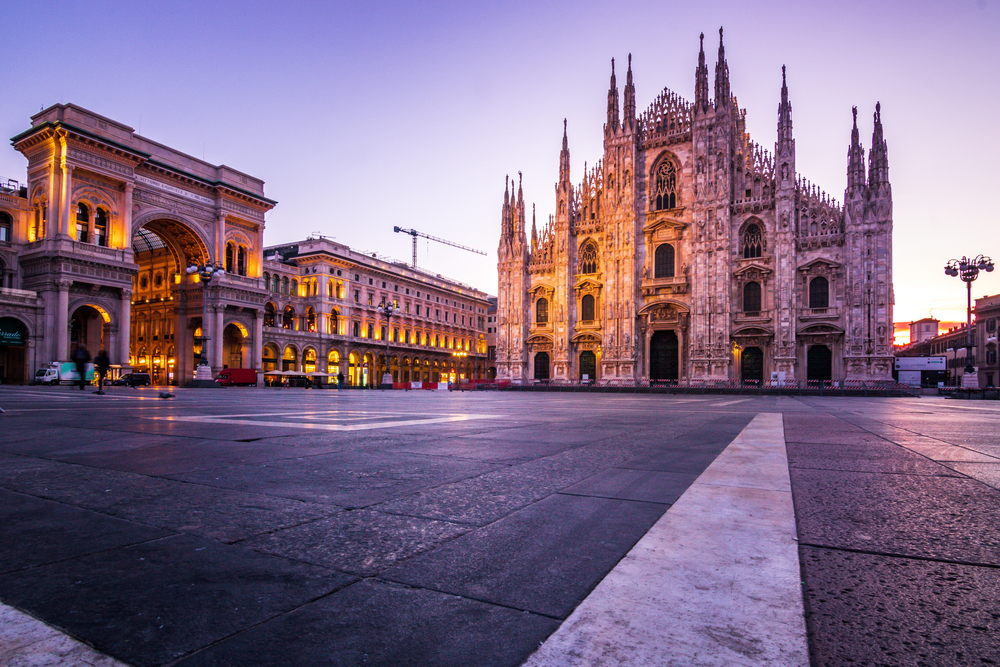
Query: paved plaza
point(304, 527)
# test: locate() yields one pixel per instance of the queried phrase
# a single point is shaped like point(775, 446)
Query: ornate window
point(310, 319)
point(267, 280)
point(751, 297)
point(82, 222)
point(294, 287)
point(101, 228)
point(284, 285)
point(357, 329)
point(230, 259)
point(542, 311)
point(6, 227)
point(275, 283)
point(819, 293)
point(587, 308)
point(288, 318)
point(663, 266)
point(665, 186)
point(588, 258)
point(753, 241)
point(241, 260)
point(269, 314)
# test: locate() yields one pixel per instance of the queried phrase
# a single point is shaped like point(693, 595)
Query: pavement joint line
point(228, 420)
point(890, 554)
point(716, 581)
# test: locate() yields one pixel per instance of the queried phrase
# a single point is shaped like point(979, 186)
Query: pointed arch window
point(101, 228)
point(751, 297)
point(819, 293)
point(588, 258)
point(753, 241)
point(665, 186)
point(587, 308)
point(542, 311)
point(664, 261)
point(82, 222)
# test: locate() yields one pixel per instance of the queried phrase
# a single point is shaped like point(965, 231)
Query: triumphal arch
point(112, 221)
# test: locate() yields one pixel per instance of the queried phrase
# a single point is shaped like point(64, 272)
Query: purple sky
point(360, 116)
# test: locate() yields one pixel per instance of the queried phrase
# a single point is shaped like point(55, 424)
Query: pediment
point(586, 337)
point(662, 307)
point(752, 268)
point(756, 332)
point(587, 285)
point(541, 291)
point(537, 339)
point(819, 264)
point(819, 330)
point(663, 226)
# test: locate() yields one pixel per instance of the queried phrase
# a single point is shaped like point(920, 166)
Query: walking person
point(340, 380)
point(101, 365)
point(81, 357)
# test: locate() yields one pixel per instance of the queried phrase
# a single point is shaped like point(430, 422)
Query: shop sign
point(12, 332)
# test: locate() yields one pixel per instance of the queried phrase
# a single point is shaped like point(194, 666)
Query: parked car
point(133, 380)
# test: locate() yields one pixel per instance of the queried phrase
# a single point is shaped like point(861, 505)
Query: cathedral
point(691, 253)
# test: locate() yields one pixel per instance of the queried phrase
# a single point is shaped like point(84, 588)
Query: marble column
point(258, 346)
point(123, 239)
point(61, 353)
point(124, 331)
point(65, 216)
point(217, 336)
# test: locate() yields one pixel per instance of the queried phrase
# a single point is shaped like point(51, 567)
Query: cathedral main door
point(588, 365)
point(542, 366)
point(663, 356)
point(752, 365)
point(819, 363)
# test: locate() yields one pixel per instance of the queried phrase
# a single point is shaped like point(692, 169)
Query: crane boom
point(414, 233)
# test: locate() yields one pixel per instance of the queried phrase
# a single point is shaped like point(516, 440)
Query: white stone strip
point(715, 582)
point(321, 426)
point(26, 641)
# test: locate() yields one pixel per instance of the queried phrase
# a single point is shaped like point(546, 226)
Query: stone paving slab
point(362, 542)
point(868, 609)
point(154, 602)
point(907, 515)
point(379, 624)
point(544, 558)
point(27, 642)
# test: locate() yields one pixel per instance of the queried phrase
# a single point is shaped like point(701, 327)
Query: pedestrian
point(340, 380)
point(101, 365)
point(81, 357)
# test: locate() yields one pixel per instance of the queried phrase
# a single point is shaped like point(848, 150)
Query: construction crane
point(414, 233)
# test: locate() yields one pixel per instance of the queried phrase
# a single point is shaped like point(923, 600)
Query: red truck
point(233, 377)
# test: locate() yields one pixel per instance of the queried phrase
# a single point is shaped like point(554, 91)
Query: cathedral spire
point(629, 96)
point(784, 116)
point(564, 158)
point(878, 158)
point(505, 226)
point(613, 123)
point(855, 158)
point(721, 76)
point(701, 80)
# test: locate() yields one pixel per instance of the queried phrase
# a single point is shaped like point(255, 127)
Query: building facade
point(95, 247)
point(690, 252)
point(321, 316)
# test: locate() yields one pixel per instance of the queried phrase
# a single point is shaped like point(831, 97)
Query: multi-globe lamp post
point(387, 309)
point(206, 272)
point(968, 270)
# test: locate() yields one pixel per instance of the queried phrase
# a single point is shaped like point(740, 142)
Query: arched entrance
point(588, 365)
point(819, 363)
point(752, 365)
point(289, 359)
point(87, 329)
point(234, 345)
point(542, 366)
point(664, 349)
point(13, 351)
point(166, 301)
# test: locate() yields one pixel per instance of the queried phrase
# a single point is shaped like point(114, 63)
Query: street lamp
point(386, 309)
point(968, 270)
point(206, 272)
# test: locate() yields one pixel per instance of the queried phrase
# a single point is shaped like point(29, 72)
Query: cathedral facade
point(688, 252)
